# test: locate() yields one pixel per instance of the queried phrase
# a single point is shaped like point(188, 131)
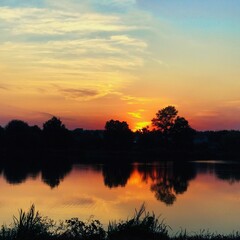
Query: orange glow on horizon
point(141, 125)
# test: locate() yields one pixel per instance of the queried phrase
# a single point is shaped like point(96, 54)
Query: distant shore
point(174, 139)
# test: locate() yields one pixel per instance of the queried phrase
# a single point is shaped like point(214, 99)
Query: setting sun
point(141, 125)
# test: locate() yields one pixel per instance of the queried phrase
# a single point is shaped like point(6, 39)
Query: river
point(193, 196)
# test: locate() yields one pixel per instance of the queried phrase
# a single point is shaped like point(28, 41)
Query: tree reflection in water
point(18, 168)
point(19, 173)
point(169, 179)
point(164, 192)
point(116, 175)
point(53, 169)
point(52, 175)
point(228, 172)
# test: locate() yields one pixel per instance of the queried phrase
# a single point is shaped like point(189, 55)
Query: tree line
point(171, 136)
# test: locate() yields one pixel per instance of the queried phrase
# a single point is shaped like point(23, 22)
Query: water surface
point(196, 195)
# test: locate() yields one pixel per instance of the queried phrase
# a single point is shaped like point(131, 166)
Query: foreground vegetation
point(142, 226)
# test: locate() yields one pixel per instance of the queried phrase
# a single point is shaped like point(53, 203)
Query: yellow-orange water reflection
point(202, 198)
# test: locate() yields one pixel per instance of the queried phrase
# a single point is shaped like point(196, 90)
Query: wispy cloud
point(232, 103)
point(207, 113)
point(3, 87)
point(79, 201)
point(56, 22)
point(119, 2)
point(135, 100)
point(82, 94)
point(93, 47)
point(126, 40)
point(137, 114)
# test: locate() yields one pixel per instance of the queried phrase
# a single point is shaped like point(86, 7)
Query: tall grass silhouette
point(31, 225)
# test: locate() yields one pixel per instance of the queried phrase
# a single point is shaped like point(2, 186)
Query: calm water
point(194, 196)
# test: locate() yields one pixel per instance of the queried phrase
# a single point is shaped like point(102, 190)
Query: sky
point(89, 61)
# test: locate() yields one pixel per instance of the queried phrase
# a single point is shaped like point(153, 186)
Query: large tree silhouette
point(55, 133)
point(165, 119)
point(175, 130)
point(118, 134)
point(17, 134)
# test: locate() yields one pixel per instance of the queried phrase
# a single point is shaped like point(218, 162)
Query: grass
point(142, 226)
point(30, 225)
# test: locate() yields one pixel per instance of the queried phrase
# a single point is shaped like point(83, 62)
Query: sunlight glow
point(72, 58)
point(141, 125)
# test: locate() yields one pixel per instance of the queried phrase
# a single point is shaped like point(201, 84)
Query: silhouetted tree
point(53, 125)
point(176, 131)
point(1, 138)
point(17, 134)
point(182, 134)
point(146, 139)
point(165, 119)
point(88, 139)
point(230, 143)
point(118, 134)
point(55, 134)
point(180, 125)
point(16, 126)
point(217, 144)
point(36, 136)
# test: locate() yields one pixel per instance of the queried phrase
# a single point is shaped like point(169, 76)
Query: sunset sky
point(89, 61)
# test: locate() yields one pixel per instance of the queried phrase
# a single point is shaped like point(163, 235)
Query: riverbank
point(142, 226)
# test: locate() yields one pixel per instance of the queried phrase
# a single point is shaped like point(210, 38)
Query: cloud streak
point(38, 21)
point(81, 94)
point(94, 48)
point(135, 100)
point(3, 87)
